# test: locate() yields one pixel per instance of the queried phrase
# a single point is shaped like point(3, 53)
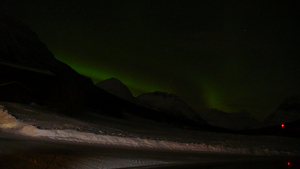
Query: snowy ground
point(30, 121)
point(28, 152)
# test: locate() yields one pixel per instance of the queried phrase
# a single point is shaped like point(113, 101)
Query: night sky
point(228, 55)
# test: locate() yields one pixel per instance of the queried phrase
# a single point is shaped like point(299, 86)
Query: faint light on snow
point(6, 120)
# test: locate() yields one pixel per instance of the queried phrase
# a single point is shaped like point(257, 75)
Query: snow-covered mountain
point(233, 121)
point(288, 111)
point(173, 105)
point(290, 104)
point(170, 104)
point(116, 87)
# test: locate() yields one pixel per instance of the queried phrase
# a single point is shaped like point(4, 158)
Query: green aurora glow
point(227, 56)
point(211, 93)
point(136, 86)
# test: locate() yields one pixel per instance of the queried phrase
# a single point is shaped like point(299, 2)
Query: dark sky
point(229, 55)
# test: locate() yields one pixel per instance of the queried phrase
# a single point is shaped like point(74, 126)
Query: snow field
point(227, 144)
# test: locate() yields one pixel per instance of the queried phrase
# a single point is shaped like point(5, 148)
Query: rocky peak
point(288, 111)
point(290, 104)
point(117, 88)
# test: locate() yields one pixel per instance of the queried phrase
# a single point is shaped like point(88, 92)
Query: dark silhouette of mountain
point(31, 70)
point(290, 104)
point(117, 88)
point(285, 121)
point(30, 73)
point(28, 66)
point(288, 111)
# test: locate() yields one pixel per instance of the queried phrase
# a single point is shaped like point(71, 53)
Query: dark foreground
point(274, 163)
point(23, 152)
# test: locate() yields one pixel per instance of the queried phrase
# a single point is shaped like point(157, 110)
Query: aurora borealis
point(231, 55)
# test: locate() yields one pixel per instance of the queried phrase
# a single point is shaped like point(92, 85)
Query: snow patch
point(28, 130)
point(36, 123)
point(7, 121)
point(76, 136)
point(108, 163)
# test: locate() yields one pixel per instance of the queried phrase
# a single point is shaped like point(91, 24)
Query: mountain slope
point(25, 59)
